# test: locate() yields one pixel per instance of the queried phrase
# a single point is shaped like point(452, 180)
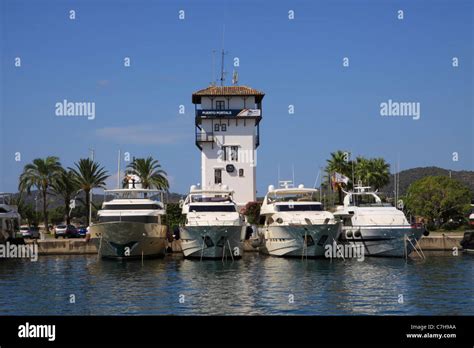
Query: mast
point(118, 169)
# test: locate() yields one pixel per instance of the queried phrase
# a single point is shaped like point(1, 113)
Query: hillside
point(407, 177)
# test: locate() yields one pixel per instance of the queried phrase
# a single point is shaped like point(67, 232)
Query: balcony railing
point(204, 137)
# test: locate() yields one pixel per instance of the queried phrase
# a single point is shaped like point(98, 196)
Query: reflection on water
point(257, 284)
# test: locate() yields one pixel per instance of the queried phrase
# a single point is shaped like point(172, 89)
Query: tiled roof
point(227, 91)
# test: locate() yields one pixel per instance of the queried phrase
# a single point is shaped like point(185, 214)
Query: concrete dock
point(64, 247)
point(436, 241)
point(441, 241)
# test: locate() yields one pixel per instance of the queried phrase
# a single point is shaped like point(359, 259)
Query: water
point(440, 285)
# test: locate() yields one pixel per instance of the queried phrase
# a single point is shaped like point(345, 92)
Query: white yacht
point(295, 223)
point(379, 228)
point(213, 227)
point(9, 218)
point(130, 225)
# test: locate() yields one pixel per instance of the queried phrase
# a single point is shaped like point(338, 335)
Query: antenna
point(213, 72)
point(222, 57)
point(118, 168)
point(278, 172)
point(293, 169)
point(222, 68)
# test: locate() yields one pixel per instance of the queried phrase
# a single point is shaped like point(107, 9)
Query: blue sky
point(295, 62)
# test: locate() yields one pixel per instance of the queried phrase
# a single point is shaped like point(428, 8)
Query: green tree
point(88, 175)
point(150, 173)
point(174, 216)
point(56, 215)
point(65, 186)
point(252, 212)
point(438, 198)
point(41, 173)
point(373, 172)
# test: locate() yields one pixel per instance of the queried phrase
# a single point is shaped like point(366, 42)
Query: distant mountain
point(407, 177)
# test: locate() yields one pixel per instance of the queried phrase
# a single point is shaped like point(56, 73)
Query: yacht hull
point(129, 240)
point(382, 241)
point(298, 240)
point(211, 242)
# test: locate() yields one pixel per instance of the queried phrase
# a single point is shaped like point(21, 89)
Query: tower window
point(234, 153)
point(241, 172)
point(223, 127)
point(217, 176)
point(220, 104)
point(216, 127)
point(224, 152)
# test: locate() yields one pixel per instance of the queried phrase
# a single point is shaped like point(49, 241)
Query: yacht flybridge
point(213, 227)
point(379, 228)
point(130, 225)
point(296, 224)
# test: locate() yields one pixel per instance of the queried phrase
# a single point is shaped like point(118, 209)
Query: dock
point(441, 241)
point(436, 241)
point(64, 247)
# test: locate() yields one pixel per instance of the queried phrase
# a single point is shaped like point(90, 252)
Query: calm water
point(254, 285)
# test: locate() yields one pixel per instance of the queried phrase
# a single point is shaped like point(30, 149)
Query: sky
point(295, 62)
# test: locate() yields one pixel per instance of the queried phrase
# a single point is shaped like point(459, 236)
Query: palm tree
point(372, 172)
point(382, 172)
point(65, 186)
point(339, 162)
point(41, 173)
point(363, 171)
point(88, 175)
point(150, 173)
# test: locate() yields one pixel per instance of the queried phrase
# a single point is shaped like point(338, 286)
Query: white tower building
point(227, 133)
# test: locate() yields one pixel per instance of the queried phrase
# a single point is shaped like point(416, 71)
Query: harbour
point(236, 172)
point(256, 285)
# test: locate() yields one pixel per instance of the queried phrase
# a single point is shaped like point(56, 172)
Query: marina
point(254, 285)
point(223, 172)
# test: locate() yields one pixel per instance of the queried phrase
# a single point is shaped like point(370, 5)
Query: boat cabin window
point(200, 198)
point(299, 207)
point(212, 208)
point(131, 207)
point(142, 219)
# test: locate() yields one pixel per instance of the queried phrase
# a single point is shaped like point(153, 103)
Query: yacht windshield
point(131, 207)
point(367, 201)
point(299, 207)
point(200, 198)
point(212, 208)
point(293, 197)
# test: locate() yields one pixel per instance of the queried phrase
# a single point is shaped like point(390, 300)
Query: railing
point(203, 137)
